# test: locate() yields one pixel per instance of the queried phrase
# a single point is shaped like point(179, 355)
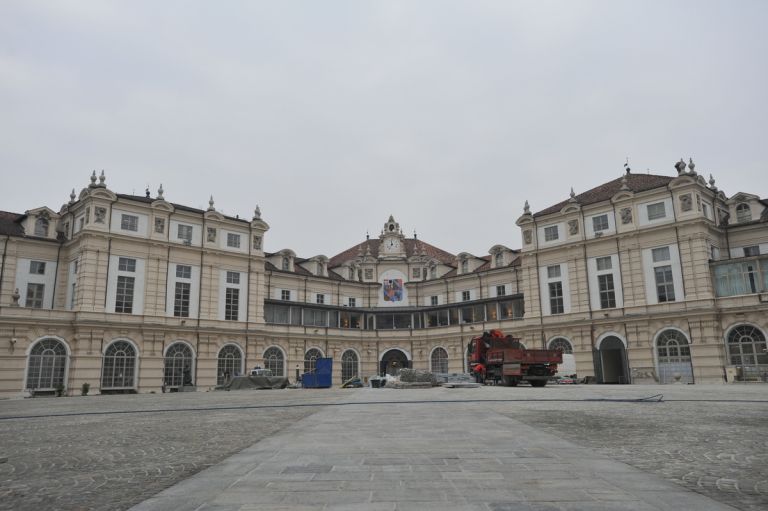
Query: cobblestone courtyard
point(111, 452)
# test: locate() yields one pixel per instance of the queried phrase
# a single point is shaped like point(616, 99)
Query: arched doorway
point(673, 354)
point(392, 361)
point(230, 363)
point(310, 359)
point(179, 365)
point(47, 365)
point(118, 370)
point(274, 360)
point(568, 367)
point(439, 360)
point(349, 365)
point(611, 360)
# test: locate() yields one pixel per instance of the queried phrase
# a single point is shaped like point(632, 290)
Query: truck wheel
point(510, 381)
point(538, 383)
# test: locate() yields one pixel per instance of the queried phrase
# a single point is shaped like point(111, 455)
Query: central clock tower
point(392, 241)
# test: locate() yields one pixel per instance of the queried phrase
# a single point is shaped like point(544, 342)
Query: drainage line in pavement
point(650, 399)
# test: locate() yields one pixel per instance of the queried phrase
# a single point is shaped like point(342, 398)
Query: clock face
point(391, 245)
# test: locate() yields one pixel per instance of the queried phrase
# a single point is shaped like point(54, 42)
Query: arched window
point(349, 365)
point(41, 227)
point(746, 346)
point(310, 357)
point(286, 264)
point(562, 344)
point(274, 361)
point(499, 259)
point(179, 365)
point(439, 360)
point(230, 364)
point(119, 366)
point(673, 347)
point(47, 365)
point(743, 213)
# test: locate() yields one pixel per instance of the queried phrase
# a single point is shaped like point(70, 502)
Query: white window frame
point(129, 222)
point(188, 274)
point(228, 281)
point(561, 275)
point(233, 240)
point(549, 230)
point(649, 270)
point(596, 268)
point(130, 266)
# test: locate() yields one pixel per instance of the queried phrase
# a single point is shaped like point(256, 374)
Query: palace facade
point(643, 279)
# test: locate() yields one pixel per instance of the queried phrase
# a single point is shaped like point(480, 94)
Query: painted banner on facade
point(393, 290)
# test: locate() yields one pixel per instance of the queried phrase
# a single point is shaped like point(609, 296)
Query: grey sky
point(333, 115)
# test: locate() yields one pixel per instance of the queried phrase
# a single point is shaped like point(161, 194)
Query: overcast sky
point(333, 115)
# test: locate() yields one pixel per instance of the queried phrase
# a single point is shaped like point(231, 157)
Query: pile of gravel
point(417, 376)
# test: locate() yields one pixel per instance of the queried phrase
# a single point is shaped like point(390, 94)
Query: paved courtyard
point(491, 448)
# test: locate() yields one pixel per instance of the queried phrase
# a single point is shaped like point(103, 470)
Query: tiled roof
point(10, 223)
point(410, 249)
point(635, 182)
point(298, 270)
point(179, 207)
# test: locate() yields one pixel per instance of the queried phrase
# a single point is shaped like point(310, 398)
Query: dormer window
point(656, 211)
point(551, 233)
point(499, 260)
point(41, 227)
point(743, 213)
point(465, 266)
point(600, 223)
point(286, 264)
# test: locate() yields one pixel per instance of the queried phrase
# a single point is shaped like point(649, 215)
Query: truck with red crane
point(496, 357)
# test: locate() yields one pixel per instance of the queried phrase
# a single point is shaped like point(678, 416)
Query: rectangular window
point(285, 294)
point(607, 292)
point(556, 305)
point(129, 223)
point(185, 233)
point(353, 302)
point(37, 267)
point(181, 301)
point(183, 272)
point(465, 296)
point(501, 290)
point(603, 263)
point(752, 251)
point(320, 298)
point(35, 293)
point(368, 274)
point(656, 211)
point(126, 264)
point(233, 240)
point(233, 277)
point(665, 288)
point(660, 254)
point(600, 223)
point(232, 304)
point(553, 272)
point(417, 273)
point(551, 233)
point(124, 295)
point(433, 300)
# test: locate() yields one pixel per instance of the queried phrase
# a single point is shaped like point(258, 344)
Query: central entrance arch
point(392, 361)
point(611, 360)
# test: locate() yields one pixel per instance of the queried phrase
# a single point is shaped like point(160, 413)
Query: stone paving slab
point(389, 457)
point(112, 452)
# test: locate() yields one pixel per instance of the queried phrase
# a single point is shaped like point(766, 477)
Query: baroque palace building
point(645, 278)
